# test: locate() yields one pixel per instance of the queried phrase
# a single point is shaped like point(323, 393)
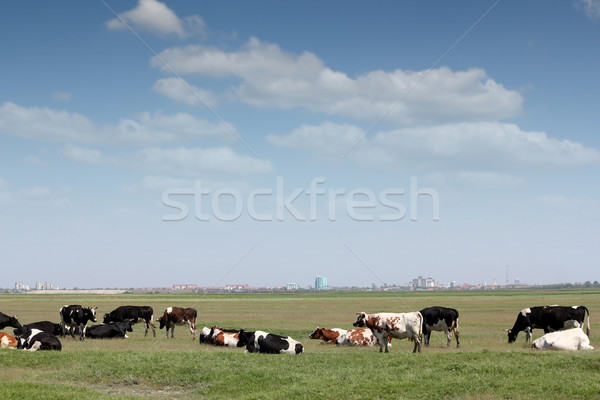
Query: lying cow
point(7, 341)
point(111, 330)
point(143, 314)
point(399, 326)
point(550, 319)
point(178, 316)
point(46, 326)
point(35, 339)
point(359, 337)
point(263, 342)
point(442, 319)
point(223, 337)
point(5, 321)
point(571, 339)
point(328, 335)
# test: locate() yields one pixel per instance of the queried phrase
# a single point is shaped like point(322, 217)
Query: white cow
point(399, 326)
point(571, 339)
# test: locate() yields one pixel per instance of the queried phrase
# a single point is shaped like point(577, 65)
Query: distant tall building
point(321, 283)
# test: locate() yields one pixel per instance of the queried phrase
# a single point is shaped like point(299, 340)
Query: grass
point(485, 367)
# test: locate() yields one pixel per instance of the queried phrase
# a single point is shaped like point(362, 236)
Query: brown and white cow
point(222, 337)
point(328, 335)
point(7, 340)
point(359, 337)
point(179, 316)
point(399, 326)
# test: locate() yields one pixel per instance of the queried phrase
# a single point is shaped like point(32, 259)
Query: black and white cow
point(441, 319)
point(76, 316)
point(263, 342)
point(550, 319)
point(46, 326)
point(5, 321)
point(35, 339)
point(110, 330)
point(143, 314)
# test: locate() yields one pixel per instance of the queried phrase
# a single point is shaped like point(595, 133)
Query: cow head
point(521, 324)
point(162, 321)
point(317, 334)
point(361, 320)
point(106, 319)
point(90, 313)
point(13, 321)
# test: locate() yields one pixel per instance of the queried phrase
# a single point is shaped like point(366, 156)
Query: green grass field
point(485, 367)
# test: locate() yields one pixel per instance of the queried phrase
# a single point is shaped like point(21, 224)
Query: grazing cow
point(224, 337)
point(328, 335)
point(359, 337)
point(399, 326)
point(571, 339)
point(76, 316)
point(46, 326)
point(440, 319)
point(7, 340)
point(110, 330)
point(143, 314)
point(5, 321)
point(34, 339)
point(179, 316)
point(550, 319)
point(263, 342)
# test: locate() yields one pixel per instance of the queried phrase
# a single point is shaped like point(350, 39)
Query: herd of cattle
point(562, 327)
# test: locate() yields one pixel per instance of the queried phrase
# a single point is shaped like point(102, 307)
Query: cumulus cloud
point(183, 92)
point(155, 17)
point(490, 146)
point(590, 7)
point(272, 78)
point(44, 124)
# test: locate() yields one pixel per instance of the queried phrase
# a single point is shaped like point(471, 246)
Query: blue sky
point(367, 143)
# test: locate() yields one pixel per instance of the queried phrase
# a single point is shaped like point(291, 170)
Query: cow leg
point(456, 335)
point(528, 334)
point(153, 328)
point(385, 343)
point(82, 331)
point(448, 333)
point(172, 331)
point(426, 338)
point(63, 331)
point(417, 339)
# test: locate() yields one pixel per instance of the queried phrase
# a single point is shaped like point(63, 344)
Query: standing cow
point(399, 326)
point(76, 316)
point(143, 314)
point(441, 319)
point(550, 319)
point(178, 316)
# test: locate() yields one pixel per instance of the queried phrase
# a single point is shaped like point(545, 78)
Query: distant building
point(292, 286)
point(237, 287)
point(185, 286)
point(424, 283)
point(320, 283)
point(45, 286)
point(19, 287)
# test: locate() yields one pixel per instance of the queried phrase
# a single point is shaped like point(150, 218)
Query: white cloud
point(178, 90)
point(44, 124)
point(491, 146)
point(176, 163)
point(272, 78)
point(590, 7)
point(155, 17)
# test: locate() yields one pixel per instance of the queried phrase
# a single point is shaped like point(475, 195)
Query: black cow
point(263, 342)
point(442, 319)
point(76, 316)
point(137, 313)
point(550, 319)
point(5, 321)
point(110, 330)
point(35, 339)
point(46, 326)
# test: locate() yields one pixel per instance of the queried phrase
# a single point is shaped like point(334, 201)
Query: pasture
point(485, 367)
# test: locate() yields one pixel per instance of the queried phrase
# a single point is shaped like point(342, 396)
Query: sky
point(147, 143)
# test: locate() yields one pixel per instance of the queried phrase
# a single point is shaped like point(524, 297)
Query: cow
point(5, 321)
point(7, 340)
point(110, 330)
point(442, 319)
point(263, 342)
point(571, 339)
point(358, 337)
point(46, 326)
point(399, 326)
point(35, 339)
point(223, 337)
point(179, 316)
point(143, 314)
point(76, 316)
point(328, 335)
point(205, 335)
point(550, 319)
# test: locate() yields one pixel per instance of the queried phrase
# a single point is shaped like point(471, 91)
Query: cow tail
point(420, 327)
point(588, 320)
